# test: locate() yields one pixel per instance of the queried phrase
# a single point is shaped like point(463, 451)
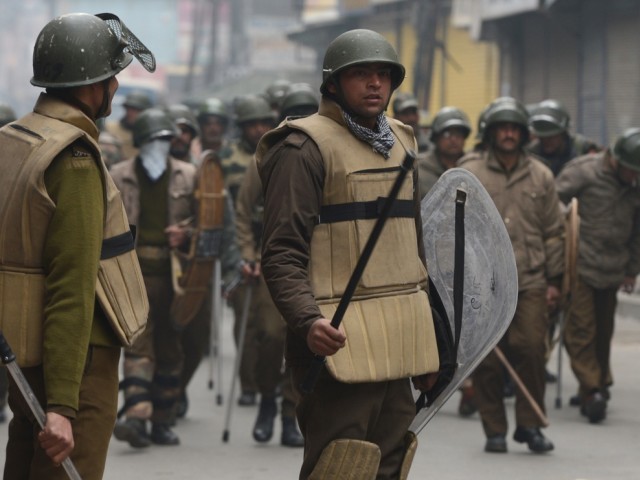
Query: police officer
point(345, 156)
point(135, 103)
point(188, 129)
point(406, 110)
point(213, 117)
point(157, 191)
point(524, 193)
point(550, 122)
point(605, 185)
point(275, 93)
point(69, 238)
point(300, 101)
point(449, 130)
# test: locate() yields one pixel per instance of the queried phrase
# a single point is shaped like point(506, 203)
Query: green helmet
point(276, 92)
point(549, 118)
point(404, 100)
point(81, 49)
point(182, 115)
point(300, 98)
point(449, 117)
point(151, 124)
point(213, 106)
point(507, 110)
point(7, 115)
point(253, 107)
point(360, 46)
point(627, 149)
point(137, 99)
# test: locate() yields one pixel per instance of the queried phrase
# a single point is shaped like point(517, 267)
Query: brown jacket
point(528, 203)
point(181, 187)
point(609, 247)
point(249, 206)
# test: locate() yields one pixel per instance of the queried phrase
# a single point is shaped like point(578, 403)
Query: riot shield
point(490, 281)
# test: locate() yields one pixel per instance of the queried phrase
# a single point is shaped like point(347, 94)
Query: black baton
point(318, 360)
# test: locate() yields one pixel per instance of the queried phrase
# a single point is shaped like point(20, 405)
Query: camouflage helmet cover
point(626, 149)
point(356, 47)
point(549, 118)
point(151, 124)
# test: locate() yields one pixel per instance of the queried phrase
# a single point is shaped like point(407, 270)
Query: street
point(451, 447)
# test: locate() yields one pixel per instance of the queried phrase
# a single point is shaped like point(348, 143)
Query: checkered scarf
point(381, 140)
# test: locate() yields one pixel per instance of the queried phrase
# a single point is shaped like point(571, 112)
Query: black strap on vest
point(114, 246)
point(345, 212)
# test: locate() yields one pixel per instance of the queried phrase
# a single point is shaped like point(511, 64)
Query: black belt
point(345, 212)
point(114, 246)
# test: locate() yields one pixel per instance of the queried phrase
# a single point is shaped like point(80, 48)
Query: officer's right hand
point(56, 438)
point(323, 339)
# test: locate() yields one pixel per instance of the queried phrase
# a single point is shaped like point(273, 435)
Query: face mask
point(154, 157)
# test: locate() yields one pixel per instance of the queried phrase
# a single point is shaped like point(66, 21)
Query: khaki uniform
point(71, 222)
point(608, 251)
point(156, 358)
point(429, 171)
point(576, 145)
point(528, 203)
point(305, 166)
point(269, 341)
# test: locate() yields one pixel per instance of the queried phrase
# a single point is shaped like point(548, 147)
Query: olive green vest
point(388, 324)
point(25, 212)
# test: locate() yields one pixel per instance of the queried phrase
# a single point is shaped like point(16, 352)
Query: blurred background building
point(585, 53)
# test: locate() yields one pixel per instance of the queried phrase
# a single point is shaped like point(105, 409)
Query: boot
point(291, 436)
point(134, 431)
point(263, 429)
point(161, 434)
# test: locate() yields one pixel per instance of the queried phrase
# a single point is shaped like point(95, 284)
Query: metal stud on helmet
point(356, 47)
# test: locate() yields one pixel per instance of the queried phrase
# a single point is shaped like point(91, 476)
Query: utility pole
point(428, 17)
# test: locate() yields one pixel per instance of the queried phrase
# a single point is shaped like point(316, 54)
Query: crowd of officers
point(528, 159)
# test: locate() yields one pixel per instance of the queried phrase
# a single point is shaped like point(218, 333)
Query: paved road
point(451, 448)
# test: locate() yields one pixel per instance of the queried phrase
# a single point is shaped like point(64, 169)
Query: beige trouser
point(524, 345)
point(92, 427)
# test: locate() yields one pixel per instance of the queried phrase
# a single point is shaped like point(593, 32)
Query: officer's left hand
point(176, 235)
point(56, 438)
point(425, 382)
point(628, 284)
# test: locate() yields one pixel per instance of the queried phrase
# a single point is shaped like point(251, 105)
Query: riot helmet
point(253, 107)
point(137, 99)
point(626, 149)
point(213, 106)
point(275, 93)
point(356, 47)
point(151, 124)
point(300, 100)
point(182, 115)
point(403, 101)
point(449, 117)
point(549, 118)
point(80, 49)
point(7, 115)
point(507, 110)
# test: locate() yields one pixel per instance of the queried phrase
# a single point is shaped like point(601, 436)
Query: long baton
point(214, 337)
point(318, 360)
point(9, 360)
point(236, 366)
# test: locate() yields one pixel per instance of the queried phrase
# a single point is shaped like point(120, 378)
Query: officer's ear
point(332, 87)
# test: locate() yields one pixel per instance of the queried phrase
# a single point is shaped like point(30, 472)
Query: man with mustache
point(523, 189)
